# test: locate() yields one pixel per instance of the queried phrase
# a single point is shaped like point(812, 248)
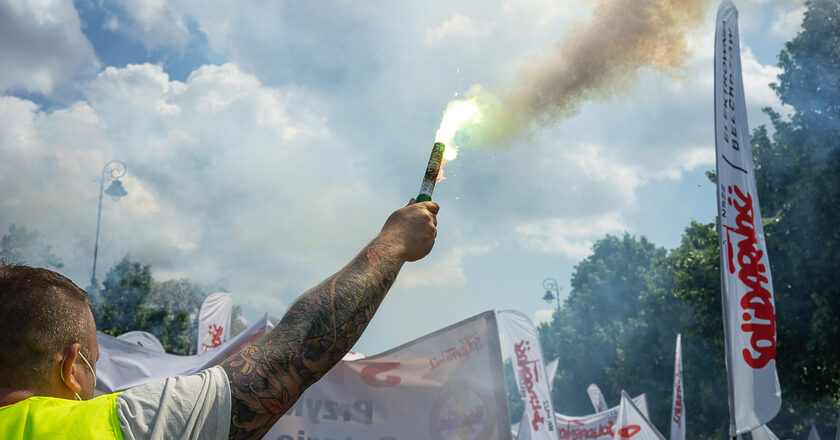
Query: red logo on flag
point(629, 431)
point(215, 332)
point(757, 302)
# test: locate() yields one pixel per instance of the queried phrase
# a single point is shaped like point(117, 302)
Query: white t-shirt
point(181, 407)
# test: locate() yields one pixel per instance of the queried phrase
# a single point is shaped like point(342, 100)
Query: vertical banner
point(677, 405)
point(214, 321)
point(632, 423)
point(551, 371)
point(597, 398)
point(529, 369)
point(749, 316)
point(448, 385)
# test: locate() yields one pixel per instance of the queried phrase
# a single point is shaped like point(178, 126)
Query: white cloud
point(443, 271)
point(225, 179)
point(155, 23)
point(543, 316)
point(788, 23)
point(457, 26)
point(42, 48)
point(572, 237)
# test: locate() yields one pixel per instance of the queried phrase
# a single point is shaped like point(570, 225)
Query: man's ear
point(69, 369)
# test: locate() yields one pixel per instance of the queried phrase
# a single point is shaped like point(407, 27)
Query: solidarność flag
point(749, 315)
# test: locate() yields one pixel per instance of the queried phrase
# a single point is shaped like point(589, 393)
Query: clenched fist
point(410, 231)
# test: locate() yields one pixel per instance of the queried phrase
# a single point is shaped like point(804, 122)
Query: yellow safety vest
point(52, 418)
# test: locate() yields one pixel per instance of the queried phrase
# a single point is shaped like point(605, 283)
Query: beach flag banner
point(749, 314)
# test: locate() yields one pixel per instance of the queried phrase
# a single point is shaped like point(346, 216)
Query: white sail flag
point(529, 369)
point(632, 423)
point(677, 404)
point(597, 398)
point(749, 316)
point(214, 321)
point(814, 435)
point(551, 371)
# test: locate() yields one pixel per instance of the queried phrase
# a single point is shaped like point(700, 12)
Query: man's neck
point(12, 395)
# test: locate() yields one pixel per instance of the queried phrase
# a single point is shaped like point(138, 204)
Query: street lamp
point(112, 171)
point(550, 285)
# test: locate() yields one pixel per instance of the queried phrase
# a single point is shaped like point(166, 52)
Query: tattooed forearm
point(316, 332)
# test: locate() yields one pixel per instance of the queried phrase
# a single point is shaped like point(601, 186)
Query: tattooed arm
point(321, 326)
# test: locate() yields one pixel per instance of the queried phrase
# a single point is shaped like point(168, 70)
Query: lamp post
point(550, 285)
point(112, 171)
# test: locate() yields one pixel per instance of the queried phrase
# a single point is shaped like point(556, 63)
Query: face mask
point(61, 372)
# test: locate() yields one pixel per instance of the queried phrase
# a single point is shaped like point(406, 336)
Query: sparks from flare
point(456, 115)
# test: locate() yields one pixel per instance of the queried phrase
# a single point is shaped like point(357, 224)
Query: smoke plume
point(596, 60)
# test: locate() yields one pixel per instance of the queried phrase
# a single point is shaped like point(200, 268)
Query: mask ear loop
point(61, 374)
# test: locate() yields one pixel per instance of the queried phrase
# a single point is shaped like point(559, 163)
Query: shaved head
point(41, 313)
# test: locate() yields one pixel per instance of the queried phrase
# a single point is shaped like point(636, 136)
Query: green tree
point(130, 299)
point(600, 319)
point(20, 246)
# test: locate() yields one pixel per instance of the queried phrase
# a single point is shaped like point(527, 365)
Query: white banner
point(746, 285)
point(529, 368)
point(448, 385)
point(632, 423)
point(214, 321)
point(123, 364)
point(814, 435)
point(677, 404)
point(597, 398)
point(598, 426)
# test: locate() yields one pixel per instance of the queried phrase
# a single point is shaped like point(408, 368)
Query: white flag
point(814, 435)
point(447, 385)
point(598, 426)
point(632, 423)
point(529, 369)
point(837, 435)
point(597, 398)
point(551, 371)
point(749, 315)
point(678, 404)
point(763, 433)
point(214, 321)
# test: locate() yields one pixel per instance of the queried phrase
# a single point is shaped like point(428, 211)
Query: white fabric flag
point(524, 429)
point(677, 404)
point(444, 386)
point(551, 371)
point(746, 286)
point(632, 423)
point(123, 364)
point(529, 370)
point(763, 433)
point(597, 398)
point(814, 435)
point(214, 321)
point(598, 426)
point(143, 339)
point(837, 435)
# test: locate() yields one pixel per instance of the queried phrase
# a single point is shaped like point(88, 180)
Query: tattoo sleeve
point(320, 327)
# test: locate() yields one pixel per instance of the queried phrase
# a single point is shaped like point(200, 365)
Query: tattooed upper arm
point(268, 377)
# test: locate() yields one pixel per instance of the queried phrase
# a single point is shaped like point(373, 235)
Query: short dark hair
point(41, 312)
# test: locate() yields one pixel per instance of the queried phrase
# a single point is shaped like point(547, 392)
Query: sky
point(267, 142)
